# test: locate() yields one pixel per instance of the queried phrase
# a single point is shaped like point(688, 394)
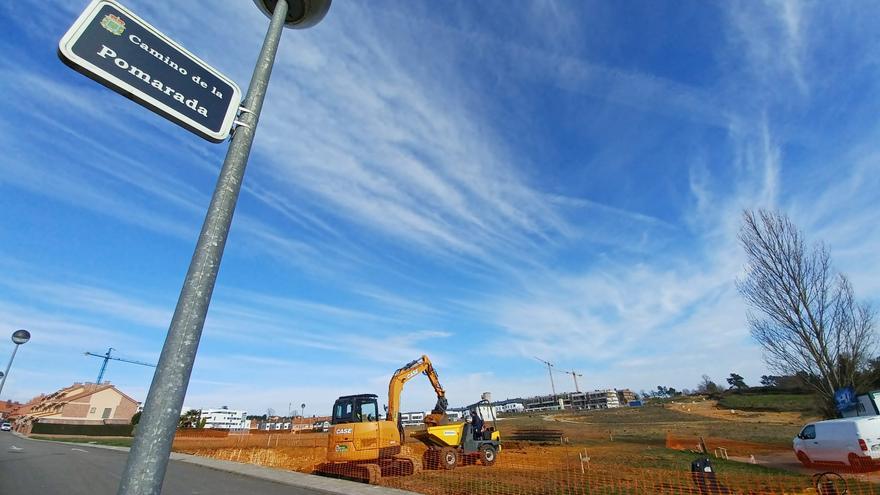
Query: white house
point(225, 418)
point(414, 418)
point(455, 415)
point(510, 407)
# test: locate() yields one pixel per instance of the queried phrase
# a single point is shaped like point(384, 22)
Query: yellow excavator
point(363, 446)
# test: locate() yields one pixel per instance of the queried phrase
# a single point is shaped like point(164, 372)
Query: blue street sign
point(845, 399)
point(111, 45)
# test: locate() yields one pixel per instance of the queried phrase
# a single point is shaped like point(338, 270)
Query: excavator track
point(403, 465)
point(365, 473)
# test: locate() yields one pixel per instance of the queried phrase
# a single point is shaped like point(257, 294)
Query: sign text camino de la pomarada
point(113, 46)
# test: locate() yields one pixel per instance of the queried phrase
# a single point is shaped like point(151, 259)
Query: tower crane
point(573, 375)
point(549, 371)
point(107, 357)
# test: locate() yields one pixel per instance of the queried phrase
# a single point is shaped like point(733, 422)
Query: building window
point(92, 411)
point(107, 411)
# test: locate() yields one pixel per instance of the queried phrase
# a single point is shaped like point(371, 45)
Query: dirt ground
point(625, 452)
point(710, 409)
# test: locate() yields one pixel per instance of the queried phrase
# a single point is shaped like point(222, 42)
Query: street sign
point(116, 48)
point(845, 399)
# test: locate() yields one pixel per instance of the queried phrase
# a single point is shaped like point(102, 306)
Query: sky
point(485, 183)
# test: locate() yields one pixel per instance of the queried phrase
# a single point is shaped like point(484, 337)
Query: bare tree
point(707, 386)
point(805, 315)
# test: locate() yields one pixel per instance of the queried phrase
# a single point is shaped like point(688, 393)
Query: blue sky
point(480, 183)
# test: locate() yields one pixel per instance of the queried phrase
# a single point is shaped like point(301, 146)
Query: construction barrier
point(601, 466)
point(201, 433)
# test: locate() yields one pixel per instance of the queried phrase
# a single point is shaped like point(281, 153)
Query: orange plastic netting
point(525, 467)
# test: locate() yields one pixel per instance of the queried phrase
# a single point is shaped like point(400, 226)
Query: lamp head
point(20, 336)
point(301, 14)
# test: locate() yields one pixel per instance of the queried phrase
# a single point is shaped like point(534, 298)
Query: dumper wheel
point(487, 455)
point(448, 458)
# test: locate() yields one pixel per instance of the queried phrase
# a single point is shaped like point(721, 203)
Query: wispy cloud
point(767, 32)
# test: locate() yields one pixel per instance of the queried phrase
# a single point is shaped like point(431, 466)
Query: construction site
point(626, 451)
point(564, 443)
point(681, 447)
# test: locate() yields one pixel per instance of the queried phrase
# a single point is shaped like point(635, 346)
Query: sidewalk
point(329, 486)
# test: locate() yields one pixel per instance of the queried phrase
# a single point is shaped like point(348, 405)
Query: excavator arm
point(403, 375)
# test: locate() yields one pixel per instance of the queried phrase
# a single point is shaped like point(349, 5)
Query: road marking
point(80, 450)
point(15, 449)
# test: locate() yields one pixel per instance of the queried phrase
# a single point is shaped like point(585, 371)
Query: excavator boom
point(403, 375)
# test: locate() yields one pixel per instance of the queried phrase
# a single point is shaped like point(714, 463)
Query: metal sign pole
point(145, 470)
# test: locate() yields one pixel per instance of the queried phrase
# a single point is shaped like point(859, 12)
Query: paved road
point(48, 468)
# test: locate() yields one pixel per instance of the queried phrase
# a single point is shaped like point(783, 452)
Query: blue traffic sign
point(111, 45)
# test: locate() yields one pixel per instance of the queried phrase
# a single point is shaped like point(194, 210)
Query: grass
point(113, 441)
point(649, 425)
point(802, 403)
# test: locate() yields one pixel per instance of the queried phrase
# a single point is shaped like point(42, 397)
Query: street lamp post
point(18, 337)
point(148, 459)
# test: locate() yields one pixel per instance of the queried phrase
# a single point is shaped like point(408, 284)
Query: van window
point(809, 432)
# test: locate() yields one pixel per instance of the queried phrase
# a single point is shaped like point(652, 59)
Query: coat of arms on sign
point(113, 24)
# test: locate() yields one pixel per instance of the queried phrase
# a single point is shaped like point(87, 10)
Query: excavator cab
point(356, 432)
point(355, 409)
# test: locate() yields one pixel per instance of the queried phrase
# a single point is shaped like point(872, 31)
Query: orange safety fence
point(187, 443)
point(201, 433)
point(524, 467)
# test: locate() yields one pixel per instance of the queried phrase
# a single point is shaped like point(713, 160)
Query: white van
point(854, 441)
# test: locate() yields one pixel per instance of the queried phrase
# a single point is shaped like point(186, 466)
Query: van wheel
point(804, 458)
point(856, 462)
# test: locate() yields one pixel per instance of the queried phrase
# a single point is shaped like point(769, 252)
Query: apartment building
point(597, 399)
point(625, 396)
point(602, 399)
point(296, 423)
point(548, 403)
point(510, 406)
point(224, 418)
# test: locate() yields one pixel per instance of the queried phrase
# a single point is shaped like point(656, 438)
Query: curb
point(330, 486)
